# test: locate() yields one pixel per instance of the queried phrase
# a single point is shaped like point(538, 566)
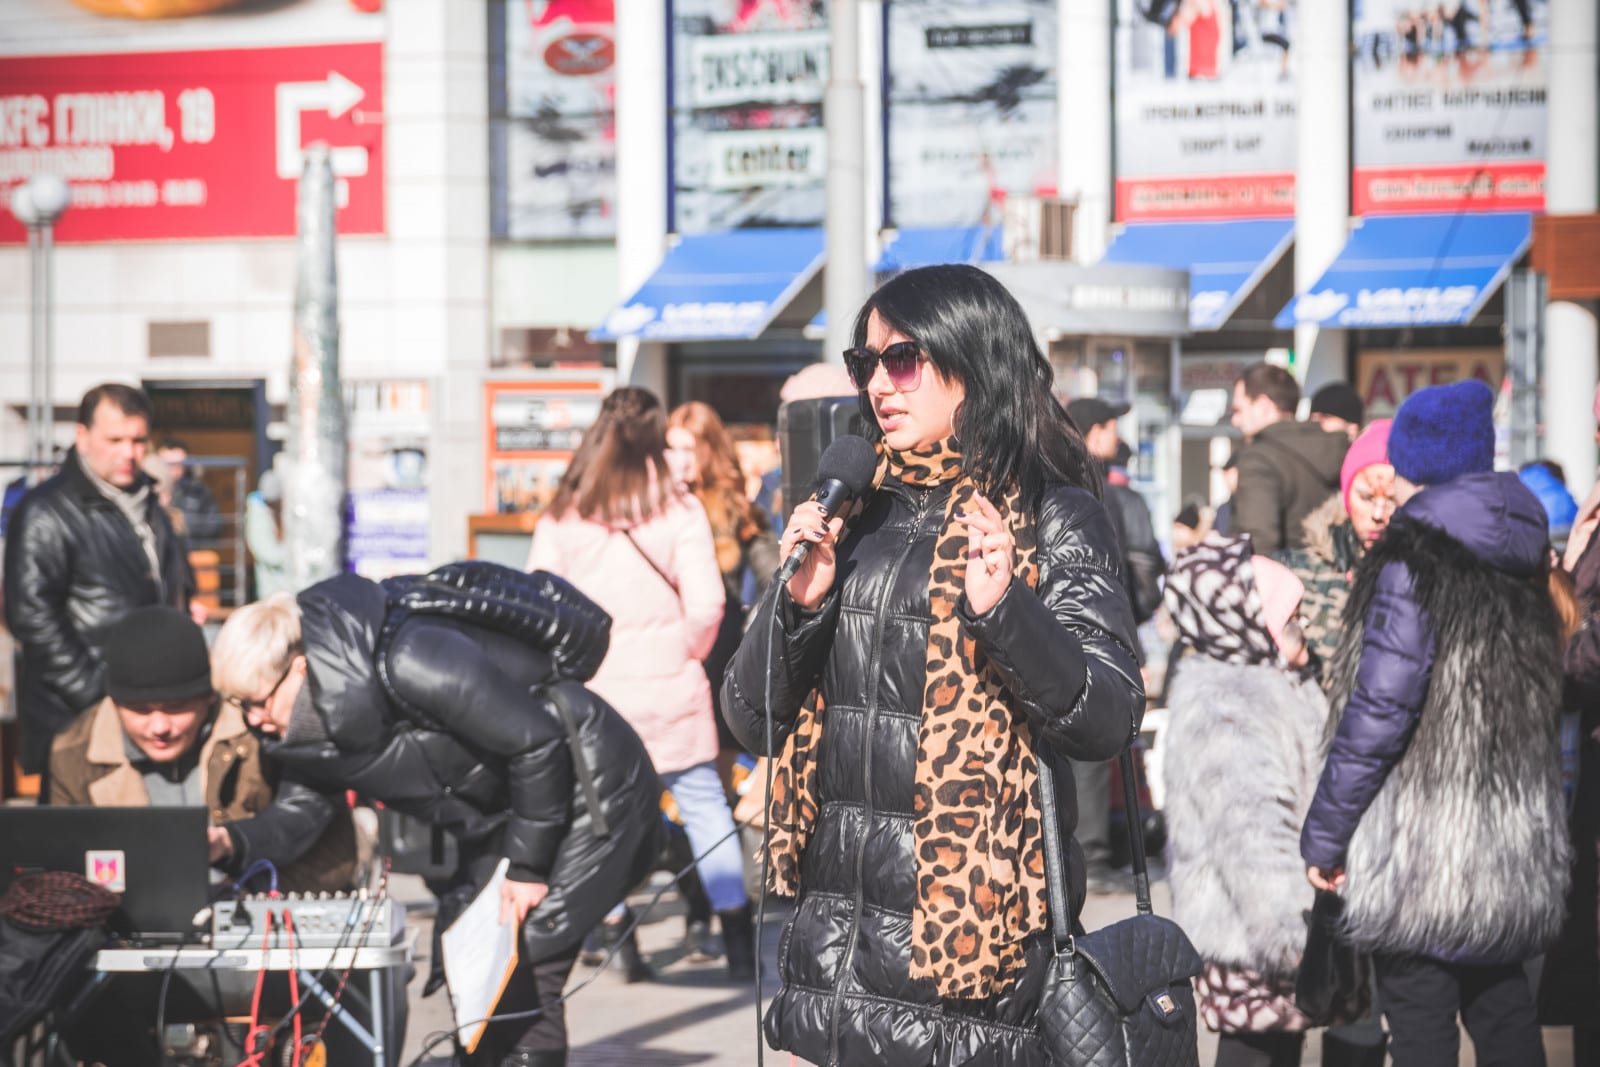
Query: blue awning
point(1225, 260)
point(718, 287)
point(928, 246)
point(1414, 270)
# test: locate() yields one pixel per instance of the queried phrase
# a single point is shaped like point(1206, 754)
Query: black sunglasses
point(902, 362)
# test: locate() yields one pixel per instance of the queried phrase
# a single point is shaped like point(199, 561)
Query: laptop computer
point(157, 858)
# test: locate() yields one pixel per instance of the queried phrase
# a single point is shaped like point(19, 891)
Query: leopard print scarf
point(980, 854)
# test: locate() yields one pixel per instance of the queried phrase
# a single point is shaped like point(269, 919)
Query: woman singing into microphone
point(964, 617)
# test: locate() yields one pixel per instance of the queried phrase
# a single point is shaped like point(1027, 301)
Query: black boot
point(593, 952)
point(739, 943)
point(698, 946)
point(634, 968)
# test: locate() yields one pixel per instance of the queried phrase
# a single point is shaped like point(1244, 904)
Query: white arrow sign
point(336, 95)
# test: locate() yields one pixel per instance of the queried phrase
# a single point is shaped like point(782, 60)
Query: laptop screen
point(156, 858)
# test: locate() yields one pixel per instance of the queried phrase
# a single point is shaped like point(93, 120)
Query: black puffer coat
point(461, 723)
point(1067, 652)
point(73, 567)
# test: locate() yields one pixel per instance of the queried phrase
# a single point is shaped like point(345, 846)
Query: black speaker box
point(805, 429)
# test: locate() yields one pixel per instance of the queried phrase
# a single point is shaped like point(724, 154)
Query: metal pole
point(36, 384)
point(314, 487)
point(845, 285)
point(47, 404)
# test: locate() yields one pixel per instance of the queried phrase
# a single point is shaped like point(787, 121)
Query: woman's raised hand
point(810, 524)
point(991, 555)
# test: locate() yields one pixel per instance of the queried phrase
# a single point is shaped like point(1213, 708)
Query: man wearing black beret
point(162, 738)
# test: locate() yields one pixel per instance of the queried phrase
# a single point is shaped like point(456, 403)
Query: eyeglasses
point(902, 362)
point(246, 706)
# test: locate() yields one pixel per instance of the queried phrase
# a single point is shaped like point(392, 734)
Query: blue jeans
point(707, 819)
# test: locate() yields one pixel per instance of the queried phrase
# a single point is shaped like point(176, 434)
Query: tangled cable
point(58, 900)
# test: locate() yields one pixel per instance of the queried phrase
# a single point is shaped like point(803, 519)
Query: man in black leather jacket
point(457, 698)
point(1142, 568)
point(83, 549)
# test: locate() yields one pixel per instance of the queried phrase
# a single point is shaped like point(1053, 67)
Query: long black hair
point(1010, 426)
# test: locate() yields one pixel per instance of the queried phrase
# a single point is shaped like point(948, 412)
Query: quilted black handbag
point(1120, 996)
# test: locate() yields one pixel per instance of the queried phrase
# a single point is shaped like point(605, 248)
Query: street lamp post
point(37, 204)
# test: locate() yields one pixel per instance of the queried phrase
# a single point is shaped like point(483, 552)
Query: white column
point(642, 42)
point(1084, 119)
point(436, 134)
point(1322, 174)
point(844, 283)
point(1572, 177)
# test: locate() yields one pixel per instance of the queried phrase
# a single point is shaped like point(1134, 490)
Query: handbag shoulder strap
point(1055, 861)
point(665, 577)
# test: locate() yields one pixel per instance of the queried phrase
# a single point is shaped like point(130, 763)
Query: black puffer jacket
point(73, 567)
point(1067, 652)
point(461, 723)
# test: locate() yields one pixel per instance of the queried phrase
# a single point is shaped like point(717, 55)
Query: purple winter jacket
point(1504, 525)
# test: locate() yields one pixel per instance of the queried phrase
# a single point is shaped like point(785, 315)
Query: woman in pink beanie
point(1339, 531)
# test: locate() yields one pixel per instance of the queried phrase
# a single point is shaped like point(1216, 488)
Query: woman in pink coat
point(622, 532)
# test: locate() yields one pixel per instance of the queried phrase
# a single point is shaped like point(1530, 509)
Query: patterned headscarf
point(980, 874)
point(1212, 597)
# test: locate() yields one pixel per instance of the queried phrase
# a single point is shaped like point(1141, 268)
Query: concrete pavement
point(690, 1016)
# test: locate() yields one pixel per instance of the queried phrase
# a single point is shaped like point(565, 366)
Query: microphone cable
point(766, 822)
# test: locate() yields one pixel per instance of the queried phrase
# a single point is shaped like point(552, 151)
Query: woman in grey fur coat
point(1241, 760)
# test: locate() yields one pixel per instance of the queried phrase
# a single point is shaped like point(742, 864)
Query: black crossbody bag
point(1121, 996)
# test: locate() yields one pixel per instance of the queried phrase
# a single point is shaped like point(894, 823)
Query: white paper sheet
point(479, 956)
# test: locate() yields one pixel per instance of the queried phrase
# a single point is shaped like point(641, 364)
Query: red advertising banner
point(1450, 115)
point(1463, 187)
point(194, 144)
point(1205, 110)
point(1228, 196)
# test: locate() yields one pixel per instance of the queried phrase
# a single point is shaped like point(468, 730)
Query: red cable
point(252, 1056)
point(294, 983)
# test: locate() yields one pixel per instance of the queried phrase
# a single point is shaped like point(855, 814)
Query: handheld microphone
point(844, 473)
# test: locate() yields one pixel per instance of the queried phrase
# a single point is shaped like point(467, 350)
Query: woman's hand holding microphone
point(810, 525)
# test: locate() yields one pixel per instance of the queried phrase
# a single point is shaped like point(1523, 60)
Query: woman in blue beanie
point(1439, 811)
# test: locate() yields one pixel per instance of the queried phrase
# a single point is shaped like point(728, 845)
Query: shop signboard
point(532, 429)
point(1205, 109)
point(191, 127)
point(389, 434)
point(1449, 110)
point(1385, 377)
point(553, 128)
point(748, 78)
point(971, 108)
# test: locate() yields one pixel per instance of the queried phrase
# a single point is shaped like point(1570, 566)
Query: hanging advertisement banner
point(553, 130)
point(531, 430)
point(1449, 109)
point(191, 127)
point(1205, 110)
point(747, 87)
point(971, 108)
point(389, 431)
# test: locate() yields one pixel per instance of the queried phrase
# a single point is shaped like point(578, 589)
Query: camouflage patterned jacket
point(1324, 565)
